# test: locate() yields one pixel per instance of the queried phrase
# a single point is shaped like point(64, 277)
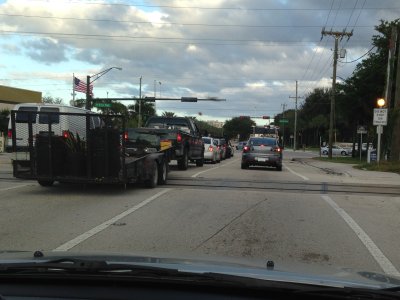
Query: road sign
point(361, 130)
point(283, 121)
point(102, 105)
point(380, 116)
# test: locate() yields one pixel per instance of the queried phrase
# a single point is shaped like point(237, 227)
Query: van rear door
point(43, 121)
point(21, 125)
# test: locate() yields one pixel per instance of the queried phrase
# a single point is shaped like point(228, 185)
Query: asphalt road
point(315, 214)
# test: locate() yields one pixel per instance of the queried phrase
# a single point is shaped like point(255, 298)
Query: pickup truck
point(185, 136)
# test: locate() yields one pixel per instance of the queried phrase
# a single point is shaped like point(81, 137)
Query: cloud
point(46, 50)
point(250, 53)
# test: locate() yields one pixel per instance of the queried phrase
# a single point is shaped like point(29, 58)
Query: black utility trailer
point(97, 149)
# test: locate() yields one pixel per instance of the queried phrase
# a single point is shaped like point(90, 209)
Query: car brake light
point(9, 133)
point(246, 148)
point(125, 136)
point(211, 149)
point(277, 149)
point(179, 138)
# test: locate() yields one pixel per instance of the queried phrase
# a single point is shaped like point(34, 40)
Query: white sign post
point(361, 130)
point(380, 119)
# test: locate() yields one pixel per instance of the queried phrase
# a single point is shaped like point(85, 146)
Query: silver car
point(336, 150)
point(211, 152)
point(262, 151)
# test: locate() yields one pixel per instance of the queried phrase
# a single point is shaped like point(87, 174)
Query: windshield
point(301, 165)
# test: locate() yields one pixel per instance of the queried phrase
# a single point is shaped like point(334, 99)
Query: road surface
point(312, 213)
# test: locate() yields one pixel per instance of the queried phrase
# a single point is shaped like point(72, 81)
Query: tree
point(52, 100)
point(241, 126)
point(4, 117)
point(168, 114)
point(206, 129)
point(147, 110)
point(313, 117)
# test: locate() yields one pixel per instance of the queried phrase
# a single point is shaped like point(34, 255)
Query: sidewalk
point(5, 161)
point(349, 174)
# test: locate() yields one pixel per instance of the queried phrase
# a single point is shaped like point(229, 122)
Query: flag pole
point(73, 88)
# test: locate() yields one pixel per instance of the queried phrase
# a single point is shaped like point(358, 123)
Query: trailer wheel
point(200, 162)
point(46, 182)
point(162, 172)
point(151, 182)
point(184, 161)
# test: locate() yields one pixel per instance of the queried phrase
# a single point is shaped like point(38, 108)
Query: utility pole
point(337, 35)
point(283, 124)
point(394, 92)
point(140, 103)
point(295, 118)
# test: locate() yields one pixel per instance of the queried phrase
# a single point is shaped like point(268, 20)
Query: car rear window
point(44, 118)
point(207, 141)
point(265, 142)
point(23, 114)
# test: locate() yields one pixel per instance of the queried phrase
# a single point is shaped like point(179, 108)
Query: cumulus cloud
point(248, 52)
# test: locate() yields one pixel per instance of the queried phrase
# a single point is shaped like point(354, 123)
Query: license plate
point(262, 159)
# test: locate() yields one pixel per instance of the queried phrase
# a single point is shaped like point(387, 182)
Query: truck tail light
point(65, 134)
point(125, 136)
point(179, 138)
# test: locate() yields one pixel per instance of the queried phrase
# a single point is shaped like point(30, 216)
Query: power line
point(316, 48)
point(349, 62)
point(206, 8)
point(167, 23)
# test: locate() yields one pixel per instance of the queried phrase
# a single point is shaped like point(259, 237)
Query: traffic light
point(265, 117)
point(244, 117)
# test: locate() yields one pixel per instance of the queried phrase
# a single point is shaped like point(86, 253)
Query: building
point(9, 96)
point(215, 123)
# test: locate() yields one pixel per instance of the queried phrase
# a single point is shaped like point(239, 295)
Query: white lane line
point(16, 187)
point(201, 172)
point(377, 254)
point(84, 236)
point(295, 173)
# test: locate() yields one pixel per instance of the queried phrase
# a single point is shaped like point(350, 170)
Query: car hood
point(249, 268)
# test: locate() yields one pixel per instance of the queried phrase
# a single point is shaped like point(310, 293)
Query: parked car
point(211, 152)
point(262, 151)
point(240, 145)
point(336, 150)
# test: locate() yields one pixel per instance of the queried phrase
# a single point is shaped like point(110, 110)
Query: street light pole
point(88, 83)
point(88, 96)
point(140, 103)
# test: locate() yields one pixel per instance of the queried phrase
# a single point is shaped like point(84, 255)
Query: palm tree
point(169, 114)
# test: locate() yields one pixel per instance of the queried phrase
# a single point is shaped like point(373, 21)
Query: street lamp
point(381, 102)
point(89, 82)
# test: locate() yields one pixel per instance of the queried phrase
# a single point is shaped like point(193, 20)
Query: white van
point(40, 122)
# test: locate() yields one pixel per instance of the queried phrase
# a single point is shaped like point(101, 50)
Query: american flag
point(80, 86)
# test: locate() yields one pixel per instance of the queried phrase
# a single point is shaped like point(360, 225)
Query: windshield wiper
point(74, 265)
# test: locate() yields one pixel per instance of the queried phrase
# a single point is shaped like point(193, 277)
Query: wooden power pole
point(337, 35)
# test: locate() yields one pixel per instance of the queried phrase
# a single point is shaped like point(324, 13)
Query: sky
point(249, 52)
